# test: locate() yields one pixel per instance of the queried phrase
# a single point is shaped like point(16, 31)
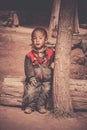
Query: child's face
point(38, 39)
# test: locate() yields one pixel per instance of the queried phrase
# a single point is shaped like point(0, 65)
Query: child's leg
point(31, 94)
point(25, 99)
point(44, 94)
point(28, 98)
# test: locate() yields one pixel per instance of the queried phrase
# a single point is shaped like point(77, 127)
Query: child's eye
point(34, 37)
point(40, 38)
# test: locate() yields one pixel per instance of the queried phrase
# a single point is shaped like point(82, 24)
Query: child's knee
point(47, 87)
point(31, 90)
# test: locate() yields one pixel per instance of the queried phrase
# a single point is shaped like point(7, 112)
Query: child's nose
point(37, 39)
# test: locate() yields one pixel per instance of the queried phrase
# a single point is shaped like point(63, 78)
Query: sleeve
point(28, 68)
point(53, 55)
point(52, 60)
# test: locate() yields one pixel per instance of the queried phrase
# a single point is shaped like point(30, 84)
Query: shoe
point(42, 110)
point(28, 110)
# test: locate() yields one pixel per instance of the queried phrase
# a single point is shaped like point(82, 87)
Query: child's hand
point(33, 81)
point(52, 65)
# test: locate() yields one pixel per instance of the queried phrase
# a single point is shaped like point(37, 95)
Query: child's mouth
point(37, 44)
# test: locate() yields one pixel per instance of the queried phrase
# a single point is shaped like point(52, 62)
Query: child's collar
point(35, 50)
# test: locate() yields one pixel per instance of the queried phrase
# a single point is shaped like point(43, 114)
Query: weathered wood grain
point(12, 91)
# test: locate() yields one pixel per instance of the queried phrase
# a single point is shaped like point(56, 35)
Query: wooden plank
point(13, 81)
point(79, 85)
point(12, 91)
point(9, 101)
point(78, 91)
point(80, 105)
point(13, 94)
point(79, 99)
point(74, 93)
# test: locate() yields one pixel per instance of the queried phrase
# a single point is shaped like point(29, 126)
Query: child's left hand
point(52, 65)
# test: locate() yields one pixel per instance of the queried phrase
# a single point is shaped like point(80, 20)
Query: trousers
point(36, 96)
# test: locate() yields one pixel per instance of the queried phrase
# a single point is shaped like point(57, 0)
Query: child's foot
point(28, 110)
point(42, 110)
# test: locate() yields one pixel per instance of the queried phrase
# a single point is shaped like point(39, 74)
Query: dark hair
point(41, 30)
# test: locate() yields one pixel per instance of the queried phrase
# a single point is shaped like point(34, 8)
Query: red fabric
point(41, 75)
point(35, 58)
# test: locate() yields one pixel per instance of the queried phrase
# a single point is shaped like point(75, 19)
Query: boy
point(38, 73)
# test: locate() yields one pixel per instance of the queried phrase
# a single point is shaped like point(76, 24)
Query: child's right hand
point(33, 81)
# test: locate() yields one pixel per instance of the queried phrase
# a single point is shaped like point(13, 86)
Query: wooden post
point(54, 19)
point(61, 95)
point(76, 29)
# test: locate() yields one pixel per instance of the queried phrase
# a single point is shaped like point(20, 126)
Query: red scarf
point(35, 58)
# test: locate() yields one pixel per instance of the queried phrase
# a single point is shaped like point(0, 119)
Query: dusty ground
point(14, 44)
point(15, 119)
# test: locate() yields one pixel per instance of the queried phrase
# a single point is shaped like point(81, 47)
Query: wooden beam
point(12, 91)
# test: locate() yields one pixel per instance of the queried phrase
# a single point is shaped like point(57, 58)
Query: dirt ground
point(14, 44)
point(15, 119)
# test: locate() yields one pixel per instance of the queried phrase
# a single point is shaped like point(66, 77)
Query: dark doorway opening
point(38, 12)
point(30, 12)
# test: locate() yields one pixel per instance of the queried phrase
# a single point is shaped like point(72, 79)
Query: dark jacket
point(38, 65)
